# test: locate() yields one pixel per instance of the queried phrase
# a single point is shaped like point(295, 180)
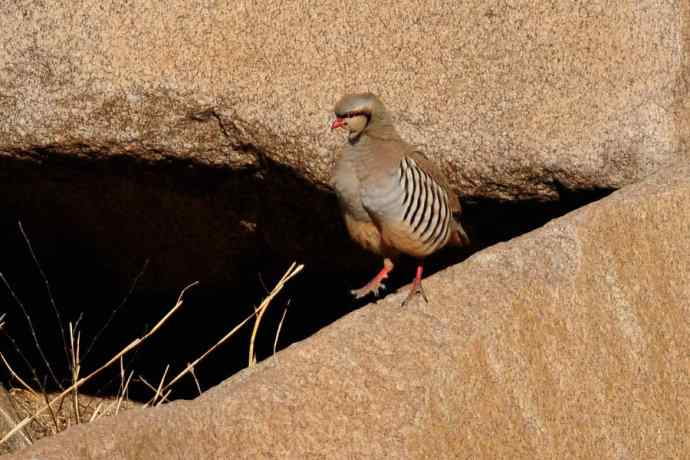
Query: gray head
point(359, 112)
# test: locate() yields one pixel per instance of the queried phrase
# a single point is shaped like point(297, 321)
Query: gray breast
point(382, 196)
point(347, 187)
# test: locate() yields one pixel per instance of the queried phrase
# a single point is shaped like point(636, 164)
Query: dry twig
point(292, 271)
point(280, 327)
point(134, 344)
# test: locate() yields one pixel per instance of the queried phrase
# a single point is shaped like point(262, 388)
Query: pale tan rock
point(512, 101)
point(570, 341)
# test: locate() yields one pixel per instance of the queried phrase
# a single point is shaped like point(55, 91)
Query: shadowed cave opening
point(97, 223)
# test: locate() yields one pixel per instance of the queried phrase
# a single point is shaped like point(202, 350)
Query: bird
point(393, 198)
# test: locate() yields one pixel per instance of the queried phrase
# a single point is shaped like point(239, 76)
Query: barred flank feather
point(425, 206)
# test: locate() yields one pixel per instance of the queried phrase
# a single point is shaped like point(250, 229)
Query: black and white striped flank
point(425, 205)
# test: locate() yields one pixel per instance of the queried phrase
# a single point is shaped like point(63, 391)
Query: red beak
point(338, 123)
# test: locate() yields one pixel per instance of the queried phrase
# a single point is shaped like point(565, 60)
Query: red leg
point(375, 284)
point(416, 286)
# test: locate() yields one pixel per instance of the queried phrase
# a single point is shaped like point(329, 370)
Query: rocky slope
point(112, 113)
point(195, 136)
point(569, 341)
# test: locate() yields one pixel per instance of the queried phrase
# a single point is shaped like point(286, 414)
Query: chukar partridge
point(393, 199)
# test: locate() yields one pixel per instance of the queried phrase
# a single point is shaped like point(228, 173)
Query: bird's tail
point(459, 237)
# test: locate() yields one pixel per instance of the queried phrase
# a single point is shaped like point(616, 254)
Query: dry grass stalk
point(51, 299)
point(30, 324)
point(96, 412)
point(53, 415)
point(145, 382)
point(76, 366)
point(291, 272)
point(17, 377)
point(161, 392)
point(157, 391)
point(280, 327)
point(164, 398)
point(196, 381)
point(124, 391)
point(134, 344)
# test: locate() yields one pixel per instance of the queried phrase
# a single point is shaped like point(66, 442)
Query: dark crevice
point(226, 126)
point(490, 221)
point(94, 220)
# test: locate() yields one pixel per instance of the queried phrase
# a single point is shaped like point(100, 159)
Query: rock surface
point(513, 100)
point(569, 341)
point(192, 134)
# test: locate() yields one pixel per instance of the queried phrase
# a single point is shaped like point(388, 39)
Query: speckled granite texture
point(512, 99)
point(570, 341)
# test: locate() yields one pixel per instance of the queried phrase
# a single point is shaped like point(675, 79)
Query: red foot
point(416, 287)
point(375, 284)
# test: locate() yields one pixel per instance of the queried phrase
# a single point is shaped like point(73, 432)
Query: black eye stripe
point(353, 114)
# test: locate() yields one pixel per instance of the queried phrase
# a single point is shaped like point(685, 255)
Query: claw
point(416, 288)
point(372, 286)
point(366, 289)
point(375, 285)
